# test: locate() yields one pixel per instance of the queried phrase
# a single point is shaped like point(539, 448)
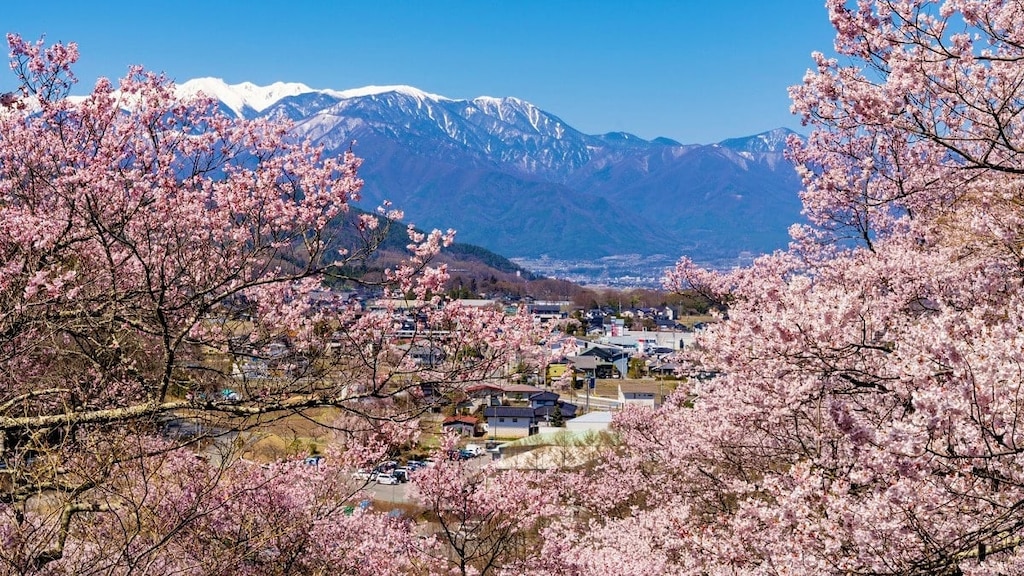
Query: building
point(640, 394)
point(544, 413)
point(510, 421)
point(520, 391)
point(643, 342)
point(556, 370)
point(584, 368)
point(545, 398)
point(464, 425)
point(545, 312)
point(613, 362)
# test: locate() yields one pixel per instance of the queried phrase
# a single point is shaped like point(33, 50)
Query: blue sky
point(697, 71)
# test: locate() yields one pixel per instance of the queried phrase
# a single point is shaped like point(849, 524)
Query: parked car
point(362, 474)
point(460, 454)
point(474, 449)
point(387, 478)
point(401, 473)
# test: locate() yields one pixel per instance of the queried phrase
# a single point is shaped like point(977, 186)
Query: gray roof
point(583, 362)
point(508, 412)
point(544, 396)
point(568, 410)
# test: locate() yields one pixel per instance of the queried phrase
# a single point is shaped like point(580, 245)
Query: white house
point(640, 394)
point(510, 421)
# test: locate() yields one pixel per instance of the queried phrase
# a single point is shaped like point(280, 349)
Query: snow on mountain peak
point(775, 139)
point(772, 141)
point(507, 108)
point(238, 96)
point(485, 102)
point(375, 90)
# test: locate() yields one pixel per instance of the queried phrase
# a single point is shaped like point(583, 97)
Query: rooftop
point(640, 387)
point(471, 420)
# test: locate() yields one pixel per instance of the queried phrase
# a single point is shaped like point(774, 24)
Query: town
point(590, 365)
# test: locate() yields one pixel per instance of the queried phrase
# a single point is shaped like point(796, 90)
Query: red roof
point(479, 387)
point(470, 420)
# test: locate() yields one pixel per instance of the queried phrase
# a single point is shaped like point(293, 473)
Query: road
point(389, 493)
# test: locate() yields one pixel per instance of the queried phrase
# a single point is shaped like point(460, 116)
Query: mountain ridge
point(520, 181)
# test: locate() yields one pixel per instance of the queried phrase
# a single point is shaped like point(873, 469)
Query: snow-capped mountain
point(245, 99)
point(771, 142)
point(522, 182)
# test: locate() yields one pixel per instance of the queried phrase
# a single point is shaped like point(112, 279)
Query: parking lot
point(389, 493)
point(399, 493)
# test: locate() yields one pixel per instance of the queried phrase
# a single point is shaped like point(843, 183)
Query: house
point(644, 341)
point(601, 362)
point(485, 394)
point(556, 370)
point(392, 304)
point(668, 325)
point(484, 390)
point(329, 300)
point(663, 368)
point(424, 354)
point(640, 394)
point(545, 398)
point(622, 341)
point(544, 313)
point(510, 421)
point(520, 391)
point(464, 425)
point(613, 362)
point(430, 391)
point(543, 413)
point(583, 367)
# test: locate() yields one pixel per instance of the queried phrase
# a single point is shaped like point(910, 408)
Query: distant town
point(620, 271)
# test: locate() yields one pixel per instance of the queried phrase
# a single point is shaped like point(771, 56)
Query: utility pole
point(590, 384)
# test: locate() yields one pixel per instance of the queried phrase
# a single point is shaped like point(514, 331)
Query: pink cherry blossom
point(162, 274)
point(863, 416)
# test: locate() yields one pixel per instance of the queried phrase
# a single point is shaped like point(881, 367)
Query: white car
point(364, 475)
point(387, 479)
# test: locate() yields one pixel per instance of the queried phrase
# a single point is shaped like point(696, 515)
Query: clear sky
point(697, 71)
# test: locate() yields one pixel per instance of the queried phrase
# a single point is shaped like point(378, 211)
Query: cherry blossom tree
point(487, 520)
point(865, 416)
point(161, 296)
